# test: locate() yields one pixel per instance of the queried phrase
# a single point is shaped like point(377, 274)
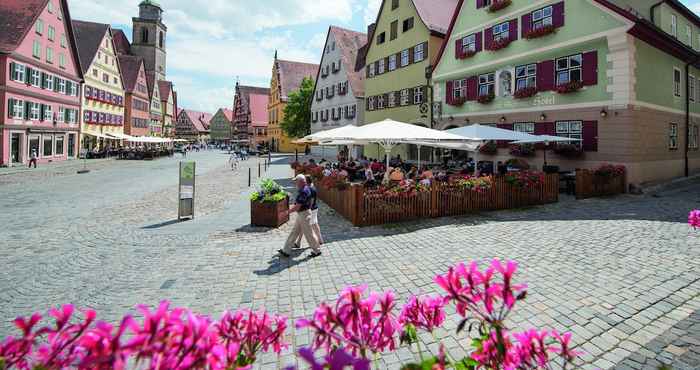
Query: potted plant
point(269, 206)
point(458, 102)
point(540, 32)
point(486, 99)
point(525, 92)
point(500, 44)
point(467, 54)
point(497, 5)
point(569, 87)
point(522, 150)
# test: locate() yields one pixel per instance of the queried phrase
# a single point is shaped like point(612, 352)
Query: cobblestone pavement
point(623, 274)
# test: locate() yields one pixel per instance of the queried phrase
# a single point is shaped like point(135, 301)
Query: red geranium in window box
point(568, 150)
point(467, 54)
point(525, 92)
point(458, 102)
point(522, 150)
point(485, 99)
point(497, 5)
point(499, 44)
point(569, 87)
point(540, 32)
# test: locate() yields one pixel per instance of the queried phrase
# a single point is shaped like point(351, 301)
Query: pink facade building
point(39, 82)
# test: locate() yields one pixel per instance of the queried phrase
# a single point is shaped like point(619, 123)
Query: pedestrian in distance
point(315, 227)
point(33, 158)
point(233, 161)
point(302, 225)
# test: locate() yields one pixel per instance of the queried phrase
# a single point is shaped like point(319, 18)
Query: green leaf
point(411, 366)
point(297, 112)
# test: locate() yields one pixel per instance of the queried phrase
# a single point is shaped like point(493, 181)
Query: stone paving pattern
point(622, 273)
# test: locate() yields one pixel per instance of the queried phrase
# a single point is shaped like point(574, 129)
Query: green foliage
point(270, 192)
point(297, 113)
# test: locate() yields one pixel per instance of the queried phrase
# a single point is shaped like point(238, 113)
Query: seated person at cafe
point(376, 166)
point(412, 173)
point(396, 175)
point(502, 168)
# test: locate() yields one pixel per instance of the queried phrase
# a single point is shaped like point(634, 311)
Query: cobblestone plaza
point(623, 273)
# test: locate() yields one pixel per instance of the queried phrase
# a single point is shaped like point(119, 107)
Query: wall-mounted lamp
point(543, 117)
point(503, 119)
point(603, 113)
point(451, 118)
point(466, 120)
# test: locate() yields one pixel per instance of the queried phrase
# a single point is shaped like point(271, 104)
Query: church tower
point(148, 38)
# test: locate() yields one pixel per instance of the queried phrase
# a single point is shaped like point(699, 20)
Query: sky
point(211, 43)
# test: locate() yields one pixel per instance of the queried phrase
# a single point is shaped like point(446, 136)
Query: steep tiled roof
point(436, 14)
point(16, 18)
point(164, 88)
point(130, 70)
point(199, 119)
point(258, 109)
point(350, 42)
point(88, 37)
point(121, 43)
point(292, 73)
point(228, 114)
point(247, 90)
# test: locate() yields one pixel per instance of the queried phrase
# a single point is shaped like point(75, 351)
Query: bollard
point(249, 176)
point(258, 169)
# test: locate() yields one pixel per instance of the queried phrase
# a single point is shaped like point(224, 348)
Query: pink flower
point(337, 360)
point(424, 312)
point(251, 332)
point(694, 219)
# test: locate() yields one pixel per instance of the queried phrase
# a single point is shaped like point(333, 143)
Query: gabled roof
point(292, 73)
point(130, 70)
point(165, 88)
point(88, 37)
point(200, 120)
point(350, 42)
point(258, 110)
point(150, 81)
point(121, 43)
point(227, 113)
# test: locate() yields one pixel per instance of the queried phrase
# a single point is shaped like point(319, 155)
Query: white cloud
point(371, 11)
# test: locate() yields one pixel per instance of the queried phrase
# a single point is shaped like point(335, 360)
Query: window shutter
point(526, 23)
point(410, 55)
point(366, 106)
point(55, 84)
point(479, 41)
point(479, 4)
point(27, 106)
point(386, 64)
point(472, 87)
point(28, 75)
point(488, 38)
point(12, 70)
point(558, 14)
point(450, 95)
point(41, 112)
point(513, 30)
point(366, 72)
point(88, 90)
point(398, 60)
point(590, 68)
point(458, 49)
point(43, 80)
point(590, 136)
point(10, 107)
point(541, 129)
point(545, 75)
point(504, 126)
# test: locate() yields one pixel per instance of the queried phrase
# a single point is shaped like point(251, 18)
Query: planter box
point(269, 214)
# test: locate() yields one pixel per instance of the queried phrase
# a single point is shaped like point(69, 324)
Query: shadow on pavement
point(163, 224)
point(278, 264)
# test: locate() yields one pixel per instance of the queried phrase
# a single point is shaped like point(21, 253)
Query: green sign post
point(186, 190)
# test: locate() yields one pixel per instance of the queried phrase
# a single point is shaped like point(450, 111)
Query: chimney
point(370, 29)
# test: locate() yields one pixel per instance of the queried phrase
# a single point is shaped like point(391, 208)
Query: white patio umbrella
point(546, 139)
point(488, 133)
point(332, 134)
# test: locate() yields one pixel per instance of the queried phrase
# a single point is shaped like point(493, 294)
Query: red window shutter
point(472, 87)
point(545, 75)
point(590, 136)
point(410, 55)
point(449, 93)
point(366, 72)
point(479, 4)
point(504, 126)
point(590, 68)
point(458, 49)
point(488, 38)
point(513, 30)
point(87, 92)
point(558, 14)
point(540, 129)
point(527, 22)
point(478, 40)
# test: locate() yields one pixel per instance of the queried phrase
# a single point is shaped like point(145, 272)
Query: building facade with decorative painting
point(339, 90)
point(286, 78)
point(155, 126)
point(102, 118)
point(250, 117)
point(611, 73)
point(168, 108)
point(193, 126)
point(40, 79)
point(405, 39)
point(137, 107)
point(221, 126)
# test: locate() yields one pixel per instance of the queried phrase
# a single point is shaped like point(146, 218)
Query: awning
point(100, 136)
point(119, 136)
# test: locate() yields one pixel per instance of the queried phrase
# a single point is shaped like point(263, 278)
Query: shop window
point(570, 129)
point(526, 127)
point(59, 145)
point(47, 145)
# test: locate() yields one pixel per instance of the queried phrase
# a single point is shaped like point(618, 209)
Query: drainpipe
point(686, 149)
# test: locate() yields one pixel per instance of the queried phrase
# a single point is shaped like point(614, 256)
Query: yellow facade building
point(286, 78)
point(102, 121)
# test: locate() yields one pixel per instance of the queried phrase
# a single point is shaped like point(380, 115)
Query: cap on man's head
point(300, 177)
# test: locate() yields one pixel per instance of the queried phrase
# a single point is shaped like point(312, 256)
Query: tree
point(297, 113)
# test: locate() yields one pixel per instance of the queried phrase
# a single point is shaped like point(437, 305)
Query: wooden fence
point(365, 208)
point(588, 185)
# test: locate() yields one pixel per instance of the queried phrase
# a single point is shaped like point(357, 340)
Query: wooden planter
point(269, 214)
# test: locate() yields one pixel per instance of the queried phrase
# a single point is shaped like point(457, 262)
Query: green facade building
point(220, 126)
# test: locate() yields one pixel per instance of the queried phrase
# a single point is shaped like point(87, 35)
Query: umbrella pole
point(418, 157)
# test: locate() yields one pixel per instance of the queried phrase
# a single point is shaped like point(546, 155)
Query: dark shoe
point(283, 253)
point(296, 246)
point(315, 254)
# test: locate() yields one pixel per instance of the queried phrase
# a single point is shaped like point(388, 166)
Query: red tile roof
point(292, 73)
point(350, 42)
point(258, 110)
point(130, 66)
point(164, 88)
point(228, 113)
point(200, 120)
point(88, 37)
point(436, 14)
point(121, 43)
point(16, 19)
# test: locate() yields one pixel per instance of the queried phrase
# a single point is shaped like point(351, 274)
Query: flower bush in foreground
point(350, 333)
point(694, 219)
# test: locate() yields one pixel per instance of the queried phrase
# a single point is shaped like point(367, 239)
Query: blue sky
point(211, 42)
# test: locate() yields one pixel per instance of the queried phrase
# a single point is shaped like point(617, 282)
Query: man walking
point(302, 225)
point(33, 158)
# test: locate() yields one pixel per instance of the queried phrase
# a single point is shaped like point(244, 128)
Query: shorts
point(314, 217)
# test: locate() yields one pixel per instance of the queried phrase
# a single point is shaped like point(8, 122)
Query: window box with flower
point(497, 5)
point(522, 150)
point(568, 150)
point(542, 31)
point(459, 101)
point(499, 44)
point(486, 99)
point(525, 92)
point(569, 87)
point(269, 205)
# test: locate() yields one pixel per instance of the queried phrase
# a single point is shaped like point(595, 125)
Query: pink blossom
point(694, 219)
point(425, 312)
point(337, 360)
point(251, 332)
